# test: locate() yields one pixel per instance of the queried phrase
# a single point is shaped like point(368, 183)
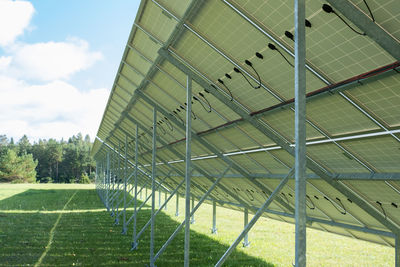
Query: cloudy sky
point(58, 60)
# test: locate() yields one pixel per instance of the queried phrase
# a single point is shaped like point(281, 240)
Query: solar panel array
point(353, 103)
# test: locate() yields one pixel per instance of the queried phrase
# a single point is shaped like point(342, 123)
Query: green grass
point(84, 235)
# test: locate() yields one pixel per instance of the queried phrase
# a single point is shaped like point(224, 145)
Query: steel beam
point(136, 184)
point(108, 178)
point(370, 28)
point(144, 203)
point(153, 186)
point(335, 176)
point(165, 199)
point(214, 229)
point(188, 169)
point(177, 206)
point(217, 153)
point(136, 241)
point(192, 219)
point(246, 242)
point(125, 181)
point(255, 218)
point(312, 165)
point(202, 199)
point(300, 132)
point(210, 178)
point(397, 251)
point(200, 170)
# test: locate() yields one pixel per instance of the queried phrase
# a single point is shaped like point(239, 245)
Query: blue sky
point(58, 60)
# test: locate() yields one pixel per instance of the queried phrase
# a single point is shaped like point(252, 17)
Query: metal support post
point(188, 170)
point(203, 198)
point(159, 197)
point(214, 219)
point(108, 178)
point(153, 186)
point(177, 205)
point(125, 181)
point(142, 205)
point(253, 221)
point(192, 220)
point(300, 133)
point(397, 251)
point(118, 180)
point(114, 175)
point(165, 200)
point(136, 180)
point(246, 242)
point(136, 241)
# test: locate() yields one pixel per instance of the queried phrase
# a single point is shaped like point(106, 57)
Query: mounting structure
point(209, 104)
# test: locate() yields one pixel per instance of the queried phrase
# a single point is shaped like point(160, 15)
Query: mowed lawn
point(67, 225)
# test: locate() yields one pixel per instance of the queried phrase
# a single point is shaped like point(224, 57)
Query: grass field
point(67, 225)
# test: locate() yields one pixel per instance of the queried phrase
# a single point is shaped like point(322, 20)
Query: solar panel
point(241, 62)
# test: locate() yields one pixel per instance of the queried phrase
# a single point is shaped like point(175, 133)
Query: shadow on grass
point(91, 239)
point(41, 199)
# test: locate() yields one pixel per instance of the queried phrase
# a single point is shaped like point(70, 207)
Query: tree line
point(46, 160)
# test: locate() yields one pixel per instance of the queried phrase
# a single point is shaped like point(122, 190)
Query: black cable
point(249, 195)
point(175, 114)
point(342, 212)
point(193, 114)
point(162, 129)
point(328, 9)
point(248, 62)
point(313, 205)
point(201, 103)
point(383, 211)
point(226, 87)
point(209, 105)
point(169, 124)
point(370, 12)
point(273, 47)
point(244, 76)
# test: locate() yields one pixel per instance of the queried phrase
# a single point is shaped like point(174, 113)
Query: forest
point(46, 161)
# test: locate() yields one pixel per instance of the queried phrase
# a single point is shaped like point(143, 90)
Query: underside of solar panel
point(240, 57)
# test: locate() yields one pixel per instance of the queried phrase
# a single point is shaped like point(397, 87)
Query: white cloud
point(14, 19)
point(35, 99)
point(5, 62)
point(52, 110)
point(52, 60)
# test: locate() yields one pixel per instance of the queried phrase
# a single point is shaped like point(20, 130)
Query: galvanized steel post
point(165, 199)
point(125, 177)
point(397, 251)
point(153, 185)
point(214, 220)
point(300, 133)
point(136, 182)
point(192, 220)
point(246, 242)
point(177, 205)
point(159, 197)
point(108, 181)
point(188, 170)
